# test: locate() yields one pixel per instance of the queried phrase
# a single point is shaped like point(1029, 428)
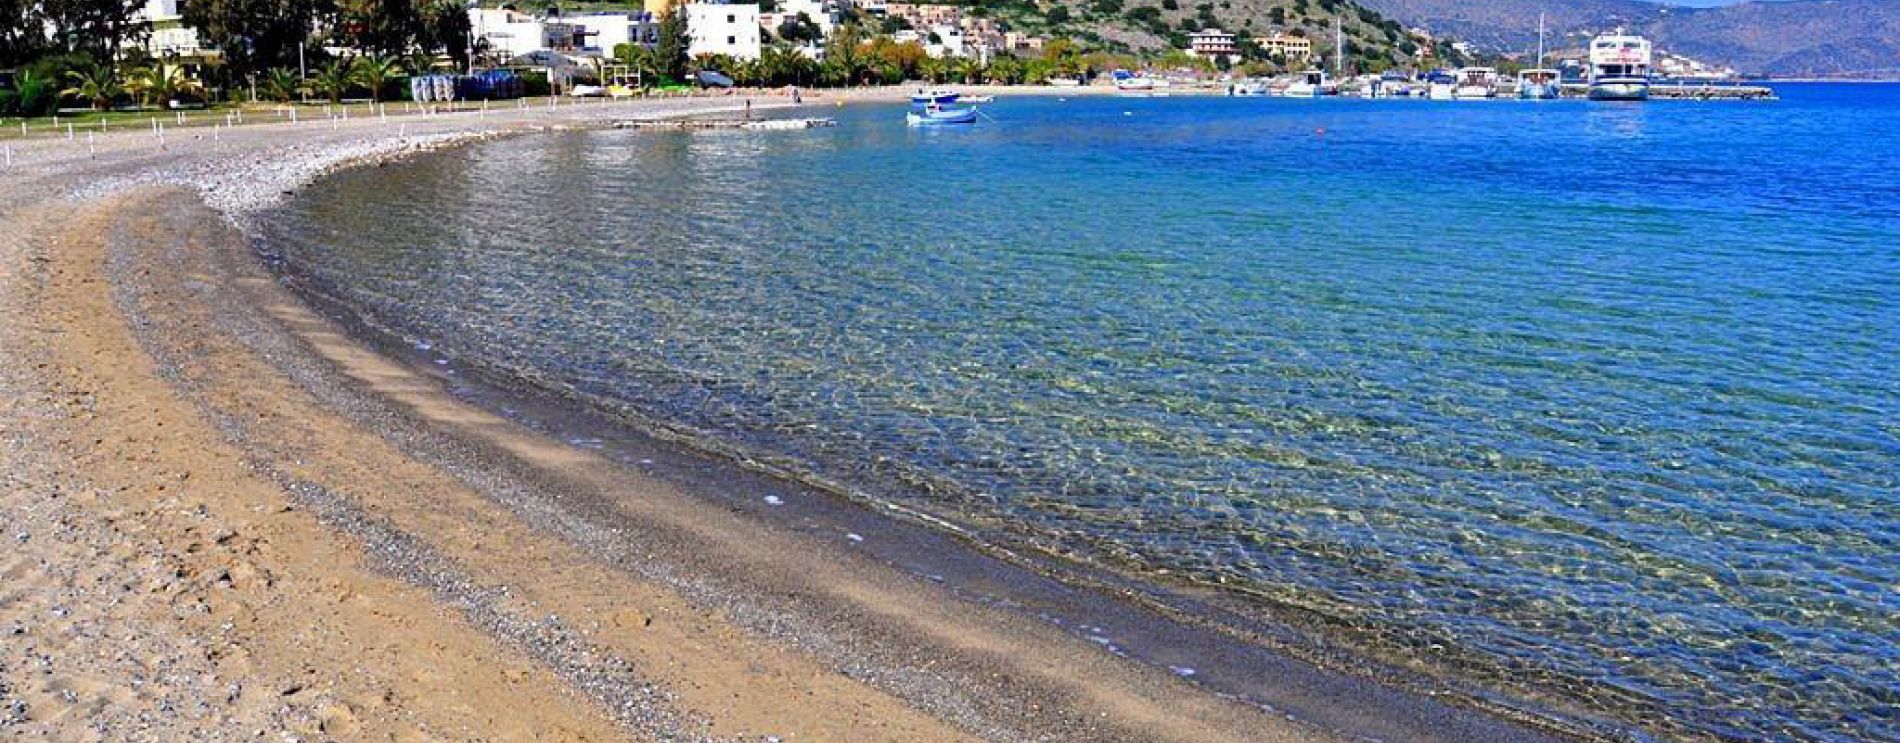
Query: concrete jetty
point(754, 125)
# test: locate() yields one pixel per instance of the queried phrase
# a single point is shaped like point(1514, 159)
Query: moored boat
point(1249, 88)
point(938, 96)
point(1619, 67)
point(935, 115)
point(1312, 83)
point(1130, 82)
point(1540, 83)
point(1476, 82)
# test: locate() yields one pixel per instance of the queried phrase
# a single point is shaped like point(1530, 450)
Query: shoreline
point(553, 497)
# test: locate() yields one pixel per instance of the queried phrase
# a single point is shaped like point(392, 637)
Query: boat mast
point(1540, 41)
point(1339, 47)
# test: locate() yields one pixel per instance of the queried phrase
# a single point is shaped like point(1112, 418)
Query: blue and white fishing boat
point(938, 96)
point(935, 115)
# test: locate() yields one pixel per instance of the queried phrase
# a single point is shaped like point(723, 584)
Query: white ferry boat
point(1619, 68)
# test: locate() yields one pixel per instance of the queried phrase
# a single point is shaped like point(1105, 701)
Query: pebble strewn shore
point(228, 519)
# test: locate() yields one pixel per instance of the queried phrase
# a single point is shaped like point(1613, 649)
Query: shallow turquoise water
point(1595, 399)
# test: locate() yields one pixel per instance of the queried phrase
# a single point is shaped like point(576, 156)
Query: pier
point(1690, 92)
point(753, 125)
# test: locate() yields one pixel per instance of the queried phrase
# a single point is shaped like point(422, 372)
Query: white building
point(722, 28)
point(1213, 43)
point(601, 32)
point(945, 40)
point(825, 13)
point(509, 34)
point(170, 38)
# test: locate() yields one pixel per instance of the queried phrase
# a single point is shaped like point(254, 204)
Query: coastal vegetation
point(91, 53)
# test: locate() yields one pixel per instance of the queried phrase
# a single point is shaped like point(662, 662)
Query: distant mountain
point(1798, 38)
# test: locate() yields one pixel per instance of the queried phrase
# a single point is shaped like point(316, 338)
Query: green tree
point(161, 84)
point(845, 54)
point(1064, 58)
point(800, 30)
point(98, 28)
point(639, 60)
point(972, 71)
point(281, 84)
point(32, 95)
point(98, 85)
point(1058, 15)
point(1007, 70)
point(374, 72)
point(22, 31)
point(670, 51)
point(774, 67)
point(255, 35)
point(334, 79)
point(389, 27)
point(444, 29)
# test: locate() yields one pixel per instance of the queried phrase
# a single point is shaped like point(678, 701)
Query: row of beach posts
point(482, 86)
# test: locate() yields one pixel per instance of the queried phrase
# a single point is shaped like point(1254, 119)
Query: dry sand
point(225, 518)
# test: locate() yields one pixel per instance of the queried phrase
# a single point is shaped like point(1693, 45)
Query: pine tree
point(670, 51)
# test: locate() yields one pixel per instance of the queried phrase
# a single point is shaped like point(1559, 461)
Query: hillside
point(1847, 38)
point(1374, 42)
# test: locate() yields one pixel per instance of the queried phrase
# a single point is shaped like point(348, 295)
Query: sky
point(1706, 3)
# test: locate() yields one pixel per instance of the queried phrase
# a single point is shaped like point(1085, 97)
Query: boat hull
point(943, 118)
point(1619, 90)
point(1538, 91)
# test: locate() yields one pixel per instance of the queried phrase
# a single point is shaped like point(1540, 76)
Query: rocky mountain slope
point(1833, 38)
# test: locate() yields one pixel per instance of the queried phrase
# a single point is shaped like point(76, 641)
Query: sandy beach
point(228, 517)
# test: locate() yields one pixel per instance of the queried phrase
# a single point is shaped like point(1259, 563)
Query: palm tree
point(774, 67)
point(375, 72)
point(745, 72)
point(420, 62)
point(334, 80)
point(971, 70)
point(639, 60)
point(160, 85)
point(1007, 70)
point(931, 69)
point(98, 84)
point(281, 85)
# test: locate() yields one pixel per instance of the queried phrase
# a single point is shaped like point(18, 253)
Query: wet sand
point(228, 515)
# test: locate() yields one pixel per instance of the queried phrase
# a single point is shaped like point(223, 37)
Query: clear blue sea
point(1593, 402)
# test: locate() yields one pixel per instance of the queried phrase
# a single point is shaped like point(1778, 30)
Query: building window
point(730, 18)
point(732, 41)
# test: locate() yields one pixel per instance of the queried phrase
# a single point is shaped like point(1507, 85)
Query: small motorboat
point(976, 99)
point(934, 114)
point(937, 96)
